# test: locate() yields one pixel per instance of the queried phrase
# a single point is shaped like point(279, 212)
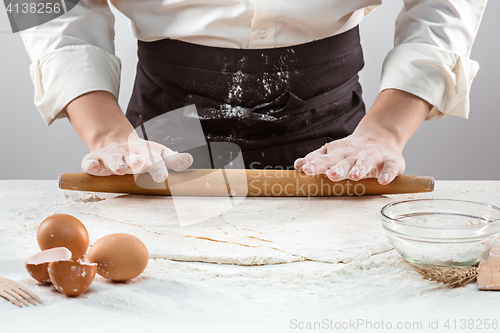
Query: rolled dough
point(256, 232)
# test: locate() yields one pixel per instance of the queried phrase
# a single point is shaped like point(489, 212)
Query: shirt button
point(263, 33)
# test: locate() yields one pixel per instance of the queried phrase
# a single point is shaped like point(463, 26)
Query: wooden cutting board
point(240, 182)
point(488, 273)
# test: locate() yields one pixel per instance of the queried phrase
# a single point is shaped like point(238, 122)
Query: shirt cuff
point(438, 76)
point(66, 73)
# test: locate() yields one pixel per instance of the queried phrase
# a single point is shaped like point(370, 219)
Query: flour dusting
point(248, 90)
point(441, 254)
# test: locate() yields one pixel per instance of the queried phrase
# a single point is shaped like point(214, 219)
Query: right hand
point(115, 148)
point(134, 157)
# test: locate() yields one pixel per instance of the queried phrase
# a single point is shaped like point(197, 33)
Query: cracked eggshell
point(37, 265)
point(72, 277)
point(119, 257)
point(62, 230)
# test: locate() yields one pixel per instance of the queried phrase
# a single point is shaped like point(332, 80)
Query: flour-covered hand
point(354, 157)
point(134, 157)
point(375, 148)
point(115, 148)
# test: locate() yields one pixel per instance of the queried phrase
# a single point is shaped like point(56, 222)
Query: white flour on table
point(173, 293)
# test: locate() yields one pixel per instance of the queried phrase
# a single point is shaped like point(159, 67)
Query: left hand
point(355, 157)
point(375, 148)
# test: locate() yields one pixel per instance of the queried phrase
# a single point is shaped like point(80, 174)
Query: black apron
point(275, 105)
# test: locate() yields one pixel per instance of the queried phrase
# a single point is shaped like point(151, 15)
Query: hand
point(134, 157)
point(355, 157)
point(375, 148)
point(115, 147)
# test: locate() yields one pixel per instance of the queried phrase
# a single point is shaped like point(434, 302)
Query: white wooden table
point(380, 293)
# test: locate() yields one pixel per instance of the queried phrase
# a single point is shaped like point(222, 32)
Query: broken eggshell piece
point(71, 277)
point(37, 265)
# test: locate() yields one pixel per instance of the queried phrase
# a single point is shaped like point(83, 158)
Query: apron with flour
point(274, 105)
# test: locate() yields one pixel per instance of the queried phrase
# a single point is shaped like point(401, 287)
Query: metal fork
point(17, 294)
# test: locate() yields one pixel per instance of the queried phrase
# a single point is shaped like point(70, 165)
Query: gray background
point(449, 148)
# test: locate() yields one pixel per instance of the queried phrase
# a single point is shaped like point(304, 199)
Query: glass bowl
point(441, 233)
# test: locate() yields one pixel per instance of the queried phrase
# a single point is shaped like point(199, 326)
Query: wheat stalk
point(453, 277)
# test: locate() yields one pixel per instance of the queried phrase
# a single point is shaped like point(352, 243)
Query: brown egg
point(37, 265)
point(71, 277)
point(119, 257)
point(62, 230)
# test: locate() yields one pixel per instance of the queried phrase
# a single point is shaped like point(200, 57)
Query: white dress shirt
point(74, 54)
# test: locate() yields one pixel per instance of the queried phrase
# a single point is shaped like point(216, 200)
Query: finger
point(158, 170)
point(176, 161)
point(363, 166)
point(321, 164)
point(389, 172)
point(90, 164)
point(116, 163)
point(339, 171)
point(136, 163)
point(300, 162)
point(318, 152)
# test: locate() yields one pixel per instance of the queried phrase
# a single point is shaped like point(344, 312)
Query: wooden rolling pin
point(252, 183)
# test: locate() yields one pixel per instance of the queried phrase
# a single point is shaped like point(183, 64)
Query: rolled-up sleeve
point(431, 54)
point(72, 55)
